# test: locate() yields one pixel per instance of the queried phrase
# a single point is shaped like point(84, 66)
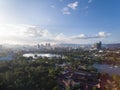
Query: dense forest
point(43, 73)
point(22, 74)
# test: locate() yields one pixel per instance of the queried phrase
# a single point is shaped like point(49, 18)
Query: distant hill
point(114, 45)
point(74, 45)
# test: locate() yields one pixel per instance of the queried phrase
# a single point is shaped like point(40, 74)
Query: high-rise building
point(98, 45)
point(38, 46)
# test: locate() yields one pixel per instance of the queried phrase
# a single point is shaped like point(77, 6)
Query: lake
point(8, 57)
point(110, 69)
point(48, 55)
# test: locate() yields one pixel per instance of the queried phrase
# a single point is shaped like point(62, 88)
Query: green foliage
point(22, 74)
point(41, 74)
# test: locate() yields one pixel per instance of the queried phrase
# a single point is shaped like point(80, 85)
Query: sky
point(59, 21)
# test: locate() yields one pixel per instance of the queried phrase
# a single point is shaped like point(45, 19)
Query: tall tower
point(98, 45)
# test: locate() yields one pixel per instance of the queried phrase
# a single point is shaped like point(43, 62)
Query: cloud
point(73, 5)
point(99, 35)
point(34, 31)
point(61, 38)
point(65, 10)
point(81, 36)
point(103, 34)
point(23, 34)
point(68, 7)
point(29, 34)
point(90, 1)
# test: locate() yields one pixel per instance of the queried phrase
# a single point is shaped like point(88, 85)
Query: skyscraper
point(98, 45)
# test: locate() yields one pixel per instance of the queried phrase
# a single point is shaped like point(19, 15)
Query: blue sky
point(59, 21)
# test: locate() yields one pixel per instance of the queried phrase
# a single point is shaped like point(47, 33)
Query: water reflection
point(41, 55)
point(110, 69)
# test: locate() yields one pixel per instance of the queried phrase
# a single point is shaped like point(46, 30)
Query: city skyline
point(59, 21)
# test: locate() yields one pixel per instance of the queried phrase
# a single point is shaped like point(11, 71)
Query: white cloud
point(61, 38)
point(23, 34)
point(73, 5)
point(29, 34)
point(65, 10)
point(90, 1)
point(103, 34)
point(81, 36)
point(34, 31)
point(99, 35)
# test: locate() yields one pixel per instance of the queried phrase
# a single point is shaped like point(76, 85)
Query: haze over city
point(59, 45)
point(59, 21)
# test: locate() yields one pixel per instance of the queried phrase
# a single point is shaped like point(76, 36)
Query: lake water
point(41, 55)
point(110, 69)
point(8, 57)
